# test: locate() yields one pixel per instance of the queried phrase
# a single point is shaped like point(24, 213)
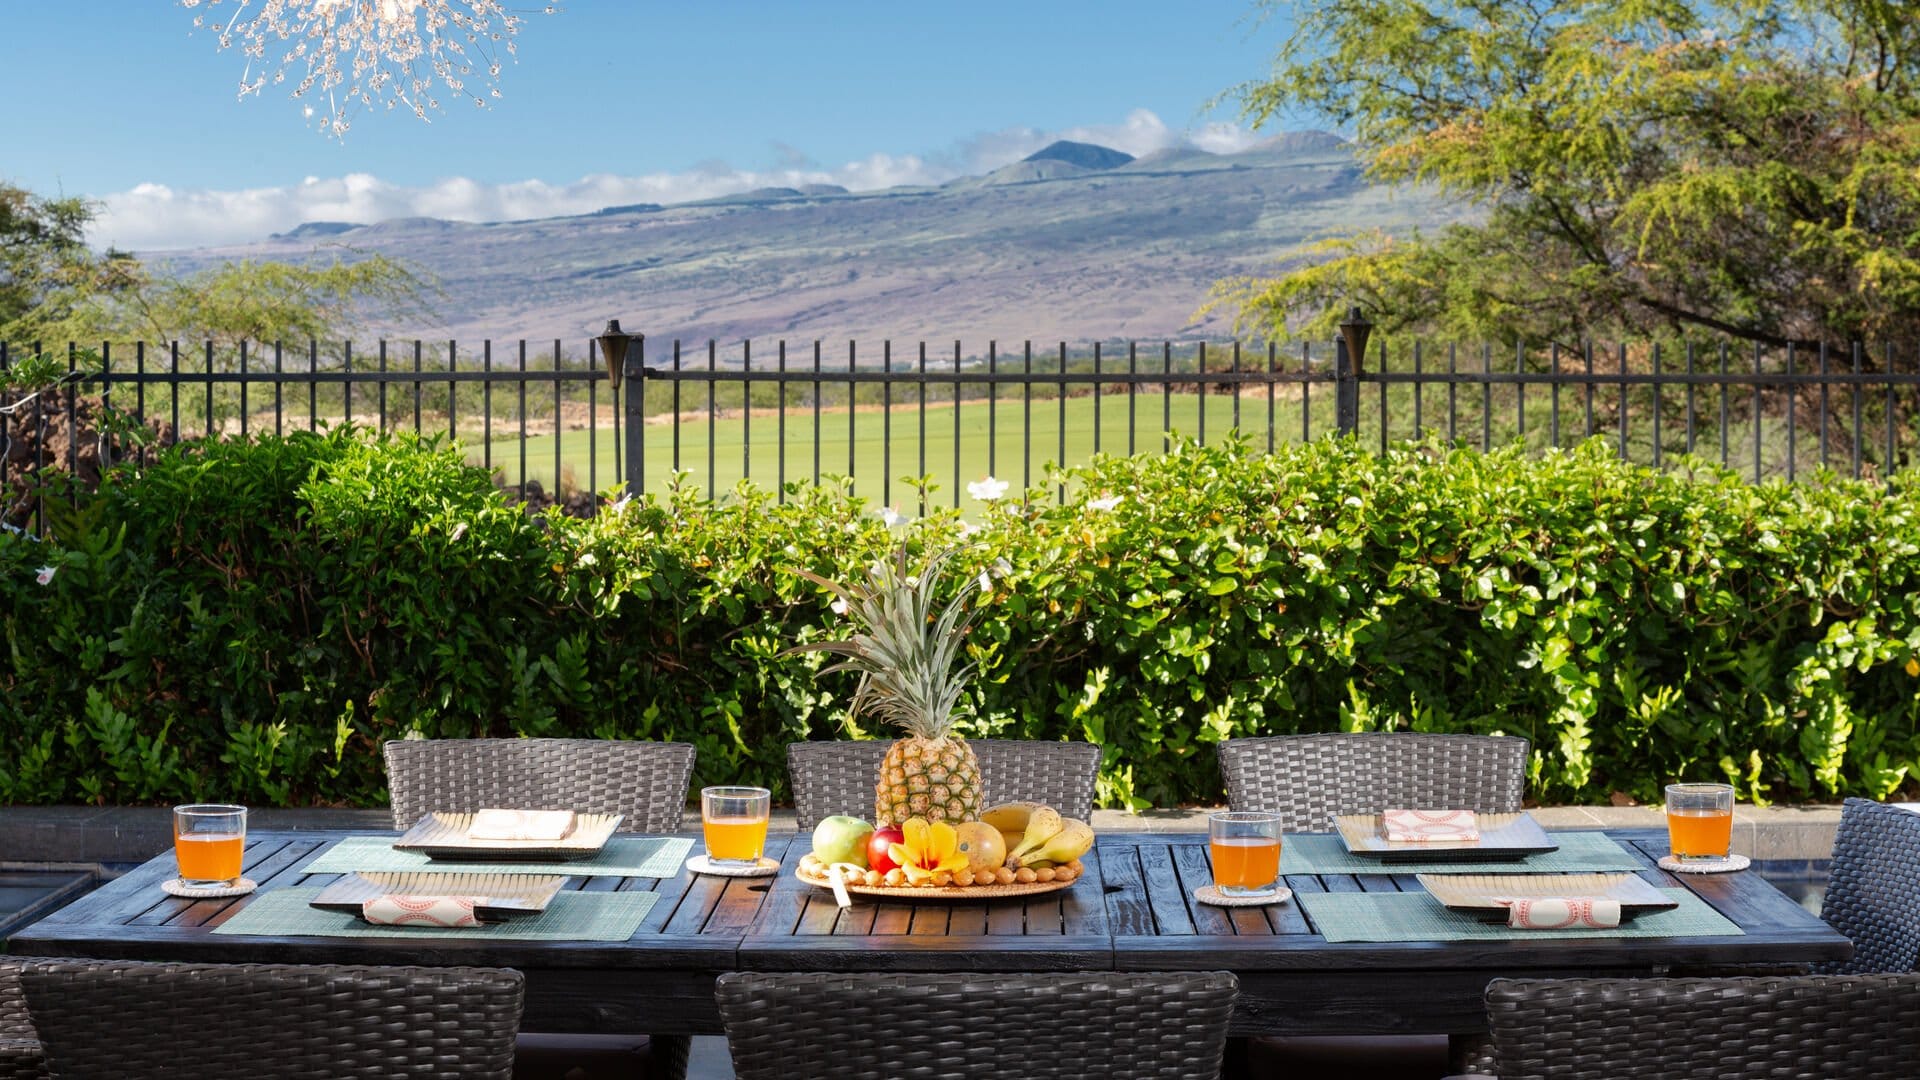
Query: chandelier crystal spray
point(358, 52)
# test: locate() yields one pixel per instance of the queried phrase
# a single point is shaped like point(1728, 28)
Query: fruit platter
point(929, 839)
point(1015, 849)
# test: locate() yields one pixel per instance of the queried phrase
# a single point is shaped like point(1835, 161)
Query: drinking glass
point(735, 822)
point(1245, 846)
point(207, 842)
point(1700, 820)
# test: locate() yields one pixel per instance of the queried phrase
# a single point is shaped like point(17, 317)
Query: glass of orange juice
point(1245, 846)
point(735, 822)
point(1700, 821)
point(207, 840)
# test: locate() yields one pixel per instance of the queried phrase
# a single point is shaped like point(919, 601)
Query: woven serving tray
point(1503, 838)
point(501, 896)
point(441, 835)
point(951, 893)
point(1477, 894)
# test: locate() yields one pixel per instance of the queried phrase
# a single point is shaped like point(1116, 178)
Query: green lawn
point(884, 451)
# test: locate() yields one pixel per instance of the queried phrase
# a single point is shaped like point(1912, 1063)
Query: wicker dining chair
point(1307, 779)
point(646, 781)
point(1873, 889)
point(107, 1020)
point(959, 1027)
point(1802, 1027)
point(20, 1054)
point(838, 777)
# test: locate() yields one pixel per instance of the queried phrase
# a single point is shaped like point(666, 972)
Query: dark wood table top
point(1133, 910)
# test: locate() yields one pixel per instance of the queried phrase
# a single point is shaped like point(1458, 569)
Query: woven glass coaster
point(766, 867)
point(1211, 895)
point(1705, 866)
point(172, 887)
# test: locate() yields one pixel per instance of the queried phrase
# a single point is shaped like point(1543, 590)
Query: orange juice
point(208, 856)
point(736, 838)
point(1245, 862)
point(1700, 833)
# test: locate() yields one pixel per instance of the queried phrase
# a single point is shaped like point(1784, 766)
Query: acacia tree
point(247, 301)
point(1628, 167)
point(45, 263)
point(54, 289)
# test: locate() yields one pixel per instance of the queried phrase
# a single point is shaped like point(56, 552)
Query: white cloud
point(152, 217)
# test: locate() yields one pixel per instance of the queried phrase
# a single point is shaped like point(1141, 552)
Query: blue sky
point(610, 101)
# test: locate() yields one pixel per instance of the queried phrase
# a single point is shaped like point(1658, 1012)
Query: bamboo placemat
point(1580, 852)
point(624, 856)
point(571, 916)
point(1363, 916)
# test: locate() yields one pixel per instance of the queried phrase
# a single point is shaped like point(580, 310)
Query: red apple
point(877, 857)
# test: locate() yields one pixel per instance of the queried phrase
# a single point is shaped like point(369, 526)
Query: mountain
point(1085, 155)
point(1076, 243)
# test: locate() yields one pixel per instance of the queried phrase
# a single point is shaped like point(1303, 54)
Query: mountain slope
point(1068, 252)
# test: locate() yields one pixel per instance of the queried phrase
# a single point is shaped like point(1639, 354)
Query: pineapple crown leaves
point(904, 651)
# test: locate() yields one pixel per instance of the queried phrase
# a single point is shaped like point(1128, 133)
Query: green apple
point(841, 839)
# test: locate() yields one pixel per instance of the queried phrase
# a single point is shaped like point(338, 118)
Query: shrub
point(250, 620)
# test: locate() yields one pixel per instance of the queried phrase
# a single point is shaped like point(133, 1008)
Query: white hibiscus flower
point(987, 490)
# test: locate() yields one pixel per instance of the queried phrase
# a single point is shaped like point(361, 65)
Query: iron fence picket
point(956, 427)
point(746, 421)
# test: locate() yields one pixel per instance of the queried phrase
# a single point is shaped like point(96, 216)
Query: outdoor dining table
point(1133, 910)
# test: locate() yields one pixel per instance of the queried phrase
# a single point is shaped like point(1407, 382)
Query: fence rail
point(923, 422)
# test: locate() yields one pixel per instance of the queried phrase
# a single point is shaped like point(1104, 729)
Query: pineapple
point(905, 653)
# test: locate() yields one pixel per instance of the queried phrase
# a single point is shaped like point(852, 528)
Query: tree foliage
point(45, 262)
point(54, 289)
point(249, 300)
point(1627, 167)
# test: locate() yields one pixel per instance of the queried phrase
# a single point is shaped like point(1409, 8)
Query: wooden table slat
point(1194, 869)
point(967, 920)
point(1173, 910)
point(855, 921)
point(892, 918)
point(1125, 885)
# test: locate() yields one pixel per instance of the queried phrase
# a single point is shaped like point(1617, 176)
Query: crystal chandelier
point(361, 51)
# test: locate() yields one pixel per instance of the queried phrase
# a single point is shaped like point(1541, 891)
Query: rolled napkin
point(1561, 912)
point(520, 825)
point(396, 910)
point(1404, 826)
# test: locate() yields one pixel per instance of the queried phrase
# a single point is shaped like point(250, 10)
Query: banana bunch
point(1044, 838)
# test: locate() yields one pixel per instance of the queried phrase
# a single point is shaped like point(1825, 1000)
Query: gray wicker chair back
point(104, 1021)
point(646, 781)
point(1307, 779)
point(1117, 1025)
point(1873, 892)
point(20, 1057)
point(838, 777)
point(1806, 1027)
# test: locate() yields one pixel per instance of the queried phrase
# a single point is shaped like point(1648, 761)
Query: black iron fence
point(916, 424)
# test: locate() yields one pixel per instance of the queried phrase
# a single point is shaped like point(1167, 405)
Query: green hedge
point(250, 620)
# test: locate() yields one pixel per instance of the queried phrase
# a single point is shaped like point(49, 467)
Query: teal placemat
point(624, 856)
point(570, 916)
point(1580, 852)
point(1418, 917)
